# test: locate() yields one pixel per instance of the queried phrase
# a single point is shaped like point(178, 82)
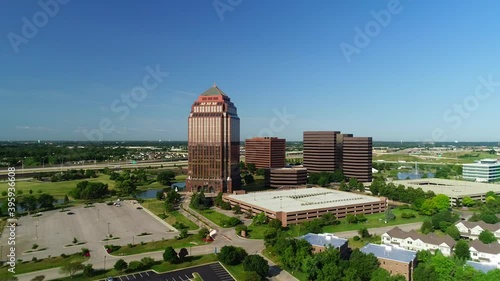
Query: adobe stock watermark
point(461, 111)
point(30, 28)
point(363, 37)
point(223, 6)
point(126, 102)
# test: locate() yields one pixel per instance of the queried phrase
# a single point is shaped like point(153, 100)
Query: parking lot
point(55, 230)
point(208, 272)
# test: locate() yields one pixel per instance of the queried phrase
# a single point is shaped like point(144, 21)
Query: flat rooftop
point(302, 199)
point(324, 240)
point(451, 188)
point(389, 252)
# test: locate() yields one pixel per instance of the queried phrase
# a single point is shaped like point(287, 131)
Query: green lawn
point(57, 189)
point(375, 239)
point(299, 275)
point(47, 263)
point(396, 157)
point(192, 261)
point(159, 246)
point(374, 220)
point(157, 207)
point(237, 271)
point(214, 216)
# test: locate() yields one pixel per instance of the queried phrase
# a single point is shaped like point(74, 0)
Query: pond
point(412, 175)
point(148, 194)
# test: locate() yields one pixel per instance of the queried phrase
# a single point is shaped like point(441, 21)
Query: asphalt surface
point(209, 272)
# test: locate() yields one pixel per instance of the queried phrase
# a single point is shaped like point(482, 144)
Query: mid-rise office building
point(486, 170)
point(328, 151)
point(213, 144)
point(320, 151)
point(286, 177)
point(396, 260)
point(357, 158)
point(266, 152)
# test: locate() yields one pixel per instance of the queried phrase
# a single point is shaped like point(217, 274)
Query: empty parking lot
point(208, 272)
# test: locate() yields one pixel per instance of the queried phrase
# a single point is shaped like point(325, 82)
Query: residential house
point(414, 241)
point(471, 230)
point(485, 252)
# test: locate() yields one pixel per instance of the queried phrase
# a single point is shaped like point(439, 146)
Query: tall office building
point(357, 158)
point(265, 152)
point(213, 144)
point(339, 150)
point(320, 151)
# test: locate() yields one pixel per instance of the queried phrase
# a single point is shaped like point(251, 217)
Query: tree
point(160, 195)
point(239, 228)
point(170, 255)
point(462, 250)
point(71, 268)
point(251, 168)
point(364, 264)
point(231, 255)
point(147, 262)
point(256, 263)
point(29, 203)
point(203, 232)
point(183, 253)
point(277, 224)
point(237, 209)
point(453, 232)
point(120, 265)
point(468, 202)
point(351, 218)
point(183, 233)
point(260, 219)
point(251, 276)
point(126, 187)
point(343, 186)
point(363, 232)
point(441, 202)
point(426, 227)
point(249, 179)
point(487, 237)
point(46, 201)
point(88, 270)
point(389, 215)
point(166, 177)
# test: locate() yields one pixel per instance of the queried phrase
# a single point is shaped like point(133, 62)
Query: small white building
point(414, 241)
point(471, 230)
point(486, 170)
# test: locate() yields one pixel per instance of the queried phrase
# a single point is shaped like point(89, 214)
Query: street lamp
point(104, 262)
point(36, 230)
point(108, 229)
point(133, 236)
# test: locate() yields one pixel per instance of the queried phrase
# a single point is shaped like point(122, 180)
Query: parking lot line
point(127, 277)
point(140, 274)
point(147, 273)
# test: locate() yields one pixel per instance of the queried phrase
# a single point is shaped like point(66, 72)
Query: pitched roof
point(431, 238)
point(482, 224)
point(389, 252)
point(492, 248)
point(324, 240)
point(214, 91)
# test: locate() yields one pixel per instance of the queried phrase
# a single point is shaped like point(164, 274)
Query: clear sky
point(416, 78)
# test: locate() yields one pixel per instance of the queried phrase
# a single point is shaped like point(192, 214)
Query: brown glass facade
point(213, 144)
point(357, 158)
point(286, 177)
point(320, 151)
point(265, 152)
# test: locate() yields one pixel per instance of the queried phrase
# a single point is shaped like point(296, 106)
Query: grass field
point(213, 216)
point(42, 264)
point(191, 240)
point(57, 189)
point(193, 261)
point(375, 239)
point(374, 221)
point(396, 157)
point(157, 207)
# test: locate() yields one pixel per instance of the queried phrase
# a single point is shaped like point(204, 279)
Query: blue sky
point(270, 57)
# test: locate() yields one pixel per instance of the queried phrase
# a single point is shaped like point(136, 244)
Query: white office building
point(486, 170)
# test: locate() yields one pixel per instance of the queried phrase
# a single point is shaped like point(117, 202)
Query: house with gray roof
point(471, 230)
point(415, 241)
point(485, 252)
point(394, 259)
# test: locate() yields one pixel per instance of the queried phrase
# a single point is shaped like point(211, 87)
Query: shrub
point(162, 216)
point(120, 265)
point(135, 266)
point(34, 259)
point(75, 240)
point(85, 251)
point(147, 262)
point(88, 270)
point(356, 238)
point(202, 233)
point(240, 228)
point(112, 248)
point(231, 222)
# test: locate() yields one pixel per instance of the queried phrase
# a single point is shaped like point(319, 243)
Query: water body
point(148, 194)
point(412, 175)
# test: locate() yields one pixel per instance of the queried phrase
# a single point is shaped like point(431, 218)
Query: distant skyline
point(391, 70)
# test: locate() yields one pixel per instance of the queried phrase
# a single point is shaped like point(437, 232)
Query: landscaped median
point(41, 264)
point(191, 240)
point(174, 217)
point(219, 218)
